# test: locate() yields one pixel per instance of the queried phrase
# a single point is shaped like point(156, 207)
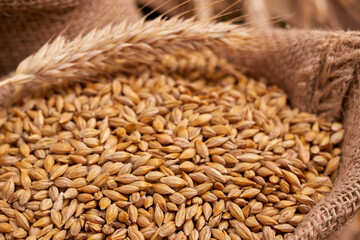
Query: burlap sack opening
point(318, 70)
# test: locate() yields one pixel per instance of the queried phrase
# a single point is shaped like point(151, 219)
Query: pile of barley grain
point(160, 157)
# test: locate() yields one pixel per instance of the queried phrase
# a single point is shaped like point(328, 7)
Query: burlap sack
point(318, 70)
point(25, 25)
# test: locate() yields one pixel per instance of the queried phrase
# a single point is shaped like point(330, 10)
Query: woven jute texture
point(25, 25)
point(6, 5)
point(318, 70)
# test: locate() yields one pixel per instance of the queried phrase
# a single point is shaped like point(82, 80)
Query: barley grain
point(163, 157)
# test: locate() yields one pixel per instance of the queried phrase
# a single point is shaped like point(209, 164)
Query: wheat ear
point(101, 49)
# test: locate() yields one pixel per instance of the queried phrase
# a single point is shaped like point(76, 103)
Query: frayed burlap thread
point(318, 70)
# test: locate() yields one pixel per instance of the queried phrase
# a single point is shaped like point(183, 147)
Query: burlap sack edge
point(319, 72)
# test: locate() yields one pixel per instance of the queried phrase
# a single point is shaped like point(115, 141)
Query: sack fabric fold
point(319, 71)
